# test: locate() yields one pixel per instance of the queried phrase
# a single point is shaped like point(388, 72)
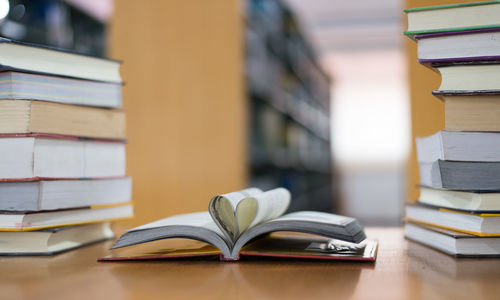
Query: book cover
point(434, 7)
point(39, 59)
point(52, 48)
point(464, 20)
point(47, 219)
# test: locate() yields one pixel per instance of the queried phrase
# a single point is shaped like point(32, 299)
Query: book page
point(271, 204)
point(198, 219)
point(236, 212)
point(197, 226)
point(318, 217)
point(235, 197)
point(311, 222)
point(223, 207)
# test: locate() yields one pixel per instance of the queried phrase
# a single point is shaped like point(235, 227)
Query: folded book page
point(236, 212)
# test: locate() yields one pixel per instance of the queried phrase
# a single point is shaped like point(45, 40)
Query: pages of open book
point(252, 206)
point(198, 226)
point(267, 218)
point(236, 212)
point(197, 219)
point(316, 216)
point(312, 222)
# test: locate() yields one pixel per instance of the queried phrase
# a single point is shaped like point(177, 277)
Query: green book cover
point(450, 6)
point(417, 9)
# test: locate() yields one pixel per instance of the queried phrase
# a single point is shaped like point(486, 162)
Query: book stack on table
point(62, 149)
point(458, 211)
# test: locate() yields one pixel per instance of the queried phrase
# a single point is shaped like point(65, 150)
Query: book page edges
point(451, 228)
point(66, 224)
point(159, 257)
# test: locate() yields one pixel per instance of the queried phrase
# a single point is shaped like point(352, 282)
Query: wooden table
point(404, 270)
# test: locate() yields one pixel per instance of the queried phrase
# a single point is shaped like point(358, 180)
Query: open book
point(237, 218)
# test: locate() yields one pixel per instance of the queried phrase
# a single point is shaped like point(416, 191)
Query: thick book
point(29, 221)
point(31, 157)
point(483, 224)
point(468, 78)
point(31, 58)
point(459, 146)
point(474, 202)
point(469, 113)
point(453, 17)
point(459, 46)
point(43, 195)
point(438, 266)
point(460, 175)
point(452, 242)
point(17, 85)
point(238, 220)
point(26, 116)
point(55, 240)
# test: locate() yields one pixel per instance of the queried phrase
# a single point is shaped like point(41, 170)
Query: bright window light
point(4, 8)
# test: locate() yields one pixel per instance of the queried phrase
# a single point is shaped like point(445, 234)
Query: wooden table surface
point(403, 270)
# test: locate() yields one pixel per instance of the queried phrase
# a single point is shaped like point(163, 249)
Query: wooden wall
point(185, 102)
point(427, 112)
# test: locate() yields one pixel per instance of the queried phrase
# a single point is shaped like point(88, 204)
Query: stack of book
point(62, 149)
point(458, 210)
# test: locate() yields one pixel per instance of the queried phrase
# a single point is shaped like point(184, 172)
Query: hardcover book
point(453, 17)
point(440, 265)
point(31, 58)
point(32, 157)
point(474, 202)
point(28, 221)
point(453, 242)
point(41, 195)
point(482, 224)
point(460, 175)
point(459, 146)
point(239, 223)
point(468, 78)
point(459, 46)
point(464, 113)
point(17, 85)
point(51, 241)
point(25, 116)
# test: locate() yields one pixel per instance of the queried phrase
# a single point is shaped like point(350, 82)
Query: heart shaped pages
point(238, 211)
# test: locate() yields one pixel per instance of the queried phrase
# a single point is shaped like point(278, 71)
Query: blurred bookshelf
point(289, 103)
point(288, 92)
point(70, 24)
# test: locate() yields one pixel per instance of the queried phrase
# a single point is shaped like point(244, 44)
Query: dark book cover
point(434, 64)
point(441, 93)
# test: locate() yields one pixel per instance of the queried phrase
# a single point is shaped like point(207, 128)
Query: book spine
point(223, 258)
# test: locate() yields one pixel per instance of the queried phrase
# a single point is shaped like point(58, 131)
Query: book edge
point(436, 7)
point(413, 33)
point(57, 49)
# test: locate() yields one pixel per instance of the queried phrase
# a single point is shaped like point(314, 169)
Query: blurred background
point(220, 95)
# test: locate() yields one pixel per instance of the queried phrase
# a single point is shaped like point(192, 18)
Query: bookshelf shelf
point(289, 102)
point(317, 126)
